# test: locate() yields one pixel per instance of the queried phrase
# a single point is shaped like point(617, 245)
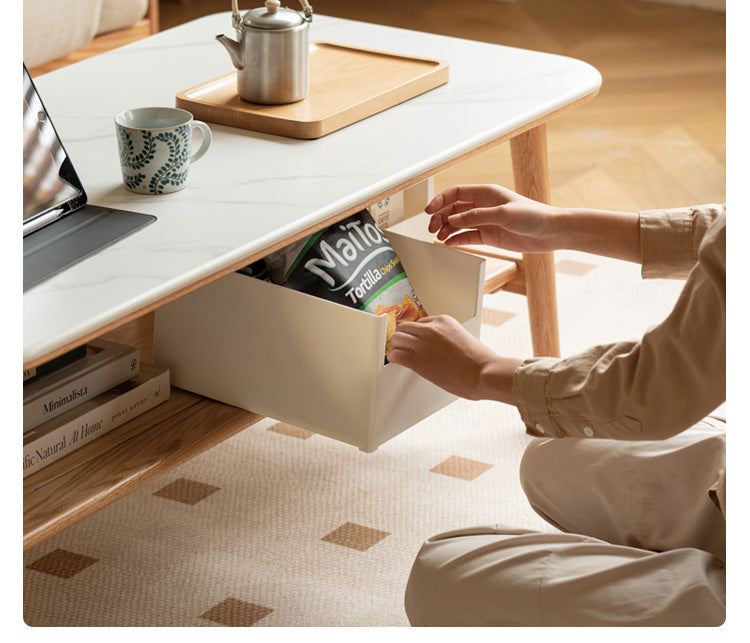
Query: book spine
point(71, 356)
point(95, 423)
point(78, 390)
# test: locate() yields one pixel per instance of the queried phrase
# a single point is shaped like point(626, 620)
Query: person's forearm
point(600, 232)
point(496, 379)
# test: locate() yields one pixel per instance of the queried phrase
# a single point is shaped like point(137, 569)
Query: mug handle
point(204, 143)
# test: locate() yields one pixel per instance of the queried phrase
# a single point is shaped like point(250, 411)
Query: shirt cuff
point(530, 396)
point(666, 243)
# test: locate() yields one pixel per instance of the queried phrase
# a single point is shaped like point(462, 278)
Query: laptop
point(60, 228)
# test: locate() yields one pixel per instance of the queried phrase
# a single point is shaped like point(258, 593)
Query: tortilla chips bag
point(353, 264)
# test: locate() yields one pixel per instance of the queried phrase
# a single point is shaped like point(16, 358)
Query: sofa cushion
point(52, 29)
point(118, 14)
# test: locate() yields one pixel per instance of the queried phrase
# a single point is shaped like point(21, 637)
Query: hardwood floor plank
point(688, 163)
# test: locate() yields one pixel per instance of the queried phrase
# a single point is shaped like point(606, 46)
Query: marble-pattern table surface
point(253, 190)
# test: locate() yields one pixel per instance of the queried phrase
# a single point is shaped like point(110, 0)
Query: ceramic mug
point(155, 145)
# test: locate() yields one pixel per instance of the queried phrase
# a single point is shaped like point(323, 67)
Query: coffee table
point(251, 194)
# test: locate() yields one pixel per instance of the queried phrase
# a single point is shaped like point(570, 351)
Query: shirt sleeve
point(670, 239)
point(661, 384)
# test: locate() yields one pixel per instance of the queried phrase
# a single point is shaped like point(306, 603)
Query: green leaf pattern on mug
point(179, 154)
point(129, 157)
point(169, 173)
point(134, 181)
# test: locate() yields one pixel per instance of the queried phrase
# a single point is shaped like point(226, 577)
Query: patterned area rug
point(279, 527)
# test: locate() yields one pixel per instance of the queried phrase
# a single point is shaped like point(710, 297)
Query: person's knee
point(535, 469)
point(552, 470)
point(419, 597)
point(529, 460)
point(430, 590)
point(475, 576)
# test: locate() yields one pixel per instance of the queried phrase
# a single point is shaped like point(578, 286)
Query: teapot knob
point(272, 6)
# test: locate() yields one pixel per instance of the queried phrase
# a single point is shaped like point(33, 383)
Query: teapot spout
point(233, 47)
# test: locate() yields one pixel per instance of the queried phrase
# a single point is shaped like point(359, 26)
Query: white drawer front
point(307, 361)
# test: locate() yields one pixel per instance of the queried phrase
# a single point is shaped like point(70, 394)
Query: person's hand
point(495, 216)
point(492, 215)
point(442, 351)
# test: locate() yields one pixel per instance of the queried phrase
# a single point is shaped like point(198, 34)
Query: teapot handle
point(236, 17)
point(307, 9)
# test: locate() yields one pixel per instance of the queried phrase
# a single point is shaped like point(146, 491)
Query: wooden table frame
point(121, 461)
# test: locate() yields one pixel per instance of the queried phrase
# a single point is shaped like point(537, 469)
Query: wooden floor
point(655, 135)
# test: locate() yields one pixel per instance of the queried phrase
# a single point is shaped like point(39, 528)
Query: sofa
point(53, 29)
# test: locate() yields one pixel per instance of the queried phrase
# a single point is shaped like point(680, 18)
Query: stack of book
point(83, 394)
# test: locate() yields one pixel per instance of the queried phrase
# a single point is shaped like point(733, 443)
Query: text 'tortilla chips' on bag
point(353, 264)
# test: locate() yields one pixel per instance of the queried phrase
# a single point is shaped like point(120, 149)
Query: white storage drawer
point(310, 362)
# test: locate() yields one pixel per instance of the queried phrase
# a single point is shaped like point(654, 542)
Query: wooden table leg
point(530, 172)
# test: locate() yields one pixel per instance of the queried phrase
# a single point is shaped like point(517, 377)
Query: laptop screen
point(50, 185)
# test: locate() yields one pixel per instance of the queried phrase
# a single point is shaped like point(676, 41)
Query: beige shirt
point(668, 380)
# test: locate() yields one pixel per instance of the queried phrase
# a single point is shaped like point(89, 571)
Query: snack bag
point(259, 270)
point(353, 264)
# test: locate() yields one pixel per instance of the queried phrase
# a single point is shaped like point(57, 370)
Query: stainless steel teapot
point(272, 56)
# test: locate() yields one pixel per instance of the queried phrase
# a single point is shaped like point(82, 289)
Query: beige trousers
point(641, 542)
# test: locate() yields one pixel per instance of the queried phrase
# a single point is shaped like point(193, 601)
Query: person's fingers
point(415, 328)
point(476, 217)
point(439, 201)
point(446, 231)
point(400, 356)
point(403, 341)
point(446, 198)
point(435, 223)
point(465, 238)
point(483, 195)
point(440, 217)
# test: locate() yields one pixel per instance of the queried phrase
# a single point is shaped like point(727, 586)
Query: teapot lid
point(272, 16)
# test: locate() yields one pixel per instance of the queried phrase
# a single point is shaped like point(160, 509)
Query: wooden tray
point(347, 84)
